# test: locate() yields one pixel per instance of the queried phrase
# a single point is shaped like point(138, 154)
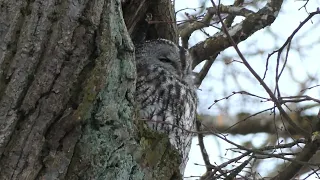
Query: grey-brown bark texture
point(67, 81)
point(67, 77)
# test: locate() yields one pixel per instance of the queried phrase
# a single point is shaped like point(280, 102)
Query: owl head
point(165, 54)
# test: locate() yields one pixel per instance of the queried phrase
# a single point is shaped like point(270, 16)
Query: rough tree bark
point(67, 78)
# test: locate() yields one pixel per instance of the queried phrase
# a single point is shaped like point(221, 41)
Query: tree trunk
point(67, 82)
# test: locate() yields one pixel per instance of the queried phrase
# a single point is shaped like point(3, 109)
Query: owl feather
point(165, 92)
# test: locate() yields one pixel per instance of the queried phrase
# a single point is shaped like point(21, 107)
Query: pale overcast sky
point(214, 87)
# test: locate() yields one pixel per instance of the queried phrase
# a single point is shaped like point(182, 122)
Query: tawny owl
point(165, 92)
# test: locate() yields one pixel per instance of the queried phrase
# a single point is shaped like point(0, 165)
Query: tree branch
point(308, 151)
point(239, 32)
point(254, 73)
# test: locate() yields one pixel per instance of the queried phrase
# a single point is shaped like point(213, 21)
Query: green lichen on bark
point(67, 94)
point(105, 149)
point(156, 155)
point(110, 146)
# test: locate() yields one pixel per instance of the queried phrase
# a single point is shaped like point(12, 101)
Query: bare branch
point(239, 32)
point(204, 71)
point(272, 96)
point(203, 149)
point(308, 151)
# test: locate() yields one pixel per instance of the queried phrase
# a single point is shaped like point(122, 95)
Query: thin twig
point(253, 72)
